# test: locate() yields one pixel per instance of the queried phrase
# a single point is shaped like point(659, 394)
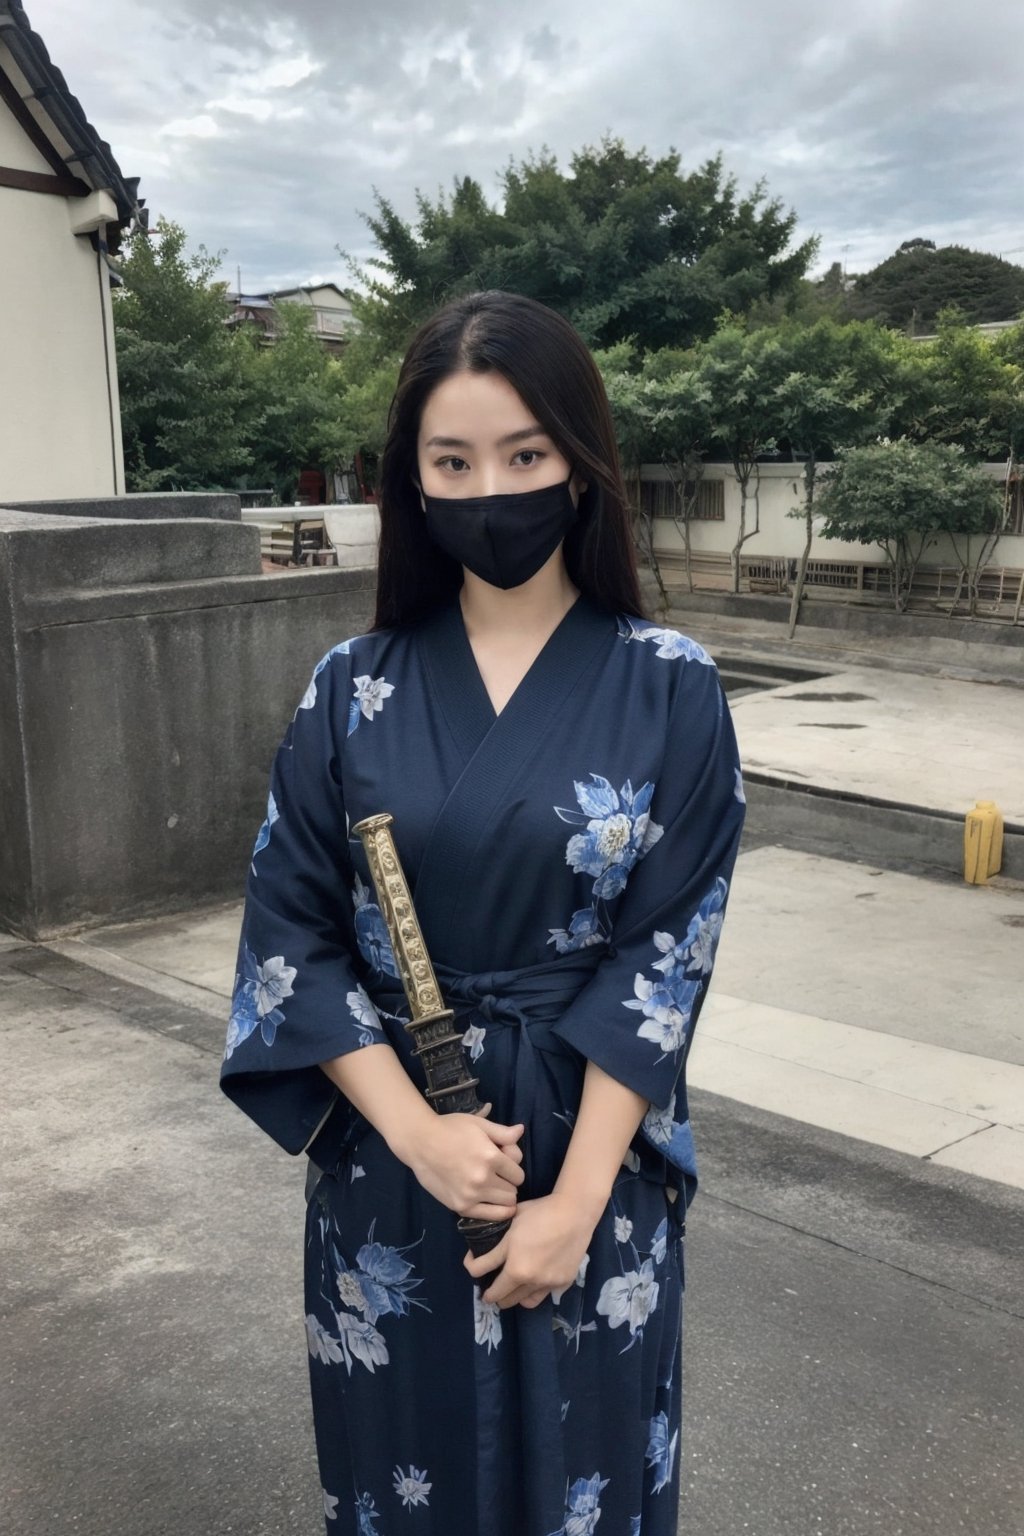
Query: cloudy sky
point(263, 128)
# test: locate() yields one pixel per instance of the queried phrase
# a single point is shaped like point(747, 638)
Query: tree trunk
point(743, 474)
point(686, 505)
point(646, 525)
point(798, 591)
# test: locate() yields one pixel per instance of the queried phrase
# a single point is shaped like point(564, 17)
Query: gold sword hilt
point(451, 1086)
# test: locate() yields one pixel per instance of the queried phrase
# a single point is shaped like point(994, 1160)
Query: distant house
point(330, 312)
point(63, 206)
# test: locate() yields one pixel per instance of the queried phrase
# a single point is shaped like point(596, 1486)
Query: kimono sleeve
point(635, 1017)
point(297, 998)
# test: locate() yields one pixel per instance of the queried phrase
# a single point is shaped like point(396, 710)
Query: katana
point(451, 1086)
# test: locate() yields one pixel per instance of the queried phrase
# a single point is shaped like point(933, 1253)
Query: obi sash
point(527, 1073)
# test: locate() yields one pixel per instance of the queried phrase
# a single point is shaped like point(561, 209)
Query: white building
point(769, 560)
point(330, 312)
point(63, 205)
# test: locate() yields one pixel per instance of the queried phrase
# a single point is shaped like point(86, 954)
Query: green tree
point(677, 407)
point(807, 300)
point(184, 378)
point(826, 400)
point(977, 397)
point(295, 401)
point(901, 495)
point(626, 246)
point(910, 288)
point(624, 388)
point(368, 375)
point(738, 373)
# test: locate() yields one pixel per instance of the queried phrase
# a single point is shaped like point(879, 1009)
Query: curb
point(845, 823)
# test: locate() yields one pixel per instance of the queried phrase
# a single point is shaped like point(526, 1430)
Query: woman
point(567, 806)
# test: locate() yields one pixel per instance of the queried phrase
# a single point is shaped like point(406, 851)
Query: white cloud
point(265, 131)
point(202, 127)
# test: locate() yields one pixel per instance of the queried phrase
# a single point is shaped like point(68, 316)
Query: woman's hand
point(468, 1163)
point(541, 1252)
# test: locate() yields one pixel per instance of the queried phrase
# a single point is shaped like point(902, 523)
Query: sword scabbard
point(451, 1087)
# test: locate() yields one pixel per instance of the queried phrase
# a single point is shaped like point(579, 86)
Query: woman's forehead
point(476, 409)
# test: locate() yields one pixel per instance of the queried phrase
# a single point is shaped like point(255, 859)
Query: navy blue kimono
point(570, 860)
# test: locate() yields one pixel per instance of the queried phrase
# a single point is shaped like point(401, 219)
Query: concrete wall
point(60, 422)
point(150, 672)
point(782, 489)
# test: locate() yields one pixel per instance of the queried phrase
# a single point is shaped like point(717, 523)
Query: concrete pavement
point(939, 743)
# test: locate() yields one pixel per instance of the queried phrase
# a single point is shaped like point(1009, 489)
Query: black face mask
point(502, 539)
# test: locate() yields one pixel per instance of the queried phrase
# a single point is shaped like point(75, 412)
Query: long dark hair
point(547, 363)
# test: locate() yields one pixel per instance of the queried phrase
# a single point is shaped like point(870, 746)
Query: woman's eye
point(531, 453)
point(452, 463)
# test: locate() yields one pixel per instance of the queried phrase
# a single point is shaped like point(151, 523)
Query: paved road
point(854, 1314)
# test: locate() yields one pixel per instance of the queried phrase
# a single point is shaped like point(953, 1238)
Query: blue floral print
point(697, 950)
point(356, 1340)
point(661, 1451)
point(370, 693)
point(584, 928)
point(411, 1487)
point(367, 1514)
point(572, 1327)
point(309, 697)
point(582, 1506)
point(667, 1005)
point(619, 832)
point(572, 1331)
point(672, 1137)
point(473, 1040)
point(258, 992)
point(372, 935)
point(263, 835)
point(380, 1283)
point(364, 1017)
point(629, 1298)
point(486, 1321)
point(671, 644)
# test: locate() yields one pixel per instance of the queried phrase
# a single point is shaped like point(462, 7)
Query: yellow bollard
point(983, 842)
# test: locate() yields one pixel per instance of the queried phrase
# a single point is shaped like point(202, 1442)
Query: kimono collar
point(460, 687)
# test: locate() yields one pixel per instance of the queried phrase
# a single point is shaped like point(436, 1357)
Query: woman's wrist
point(584, 1200)
point(375, 1082)
point(407, 1130)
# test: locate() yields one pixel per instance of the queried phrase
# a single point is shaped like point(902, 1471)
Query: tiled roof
point(93, 160)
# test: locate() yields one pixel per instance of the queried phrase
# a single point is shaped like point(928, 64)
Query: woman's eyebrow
point(510, 437)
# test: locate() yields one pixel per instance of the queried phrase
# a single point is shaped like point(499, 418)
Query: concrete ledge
point(310, 584)
point(221, 505)
point(850, 824)
point(849, 617)
point(59, 556)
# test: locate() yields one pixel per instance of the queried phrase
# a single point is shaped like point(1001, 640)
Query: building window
point(658, 499)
